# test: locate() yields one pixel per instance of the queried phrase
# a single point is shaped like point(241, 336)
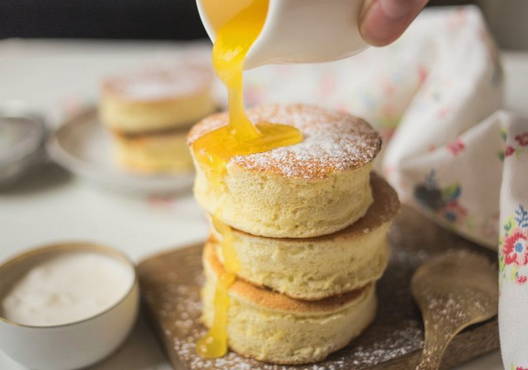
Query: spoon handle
point(435, 345)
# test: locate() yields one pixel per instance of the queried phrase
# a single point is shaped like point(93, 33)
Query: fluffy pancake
point(315, 268)
point(313, 188)
point(160, 152)
point(272, 327)
point(157, 99)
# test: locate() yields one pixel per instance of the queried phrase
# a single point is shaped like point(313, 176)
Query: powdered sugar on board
point(180, 304)
point(171, 282)
point(333, 141)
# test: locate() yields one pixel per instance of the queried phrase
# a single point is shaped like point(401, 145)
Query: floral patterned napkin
point(513, 245)
point(435, 95)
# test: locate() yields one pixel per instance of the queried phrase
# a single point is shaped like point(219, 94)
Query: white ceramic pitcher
point(295, 31)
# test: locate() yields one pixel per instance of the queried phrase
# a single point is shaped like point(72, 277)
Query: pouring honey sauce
point(239, 137)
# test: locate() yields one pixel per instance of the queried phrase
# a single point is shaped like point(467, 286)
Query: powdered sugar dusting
point(163, 82)
point(175, 300)
point(333, 141)
point(170, 285)
point(182, 302)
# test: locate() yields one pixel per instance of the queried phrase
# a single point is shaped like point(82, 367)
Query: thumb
point(383, 21)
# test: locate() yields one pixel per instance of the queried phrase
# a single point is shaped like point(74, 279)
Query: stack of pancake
point(149, 114)
point(307, 225)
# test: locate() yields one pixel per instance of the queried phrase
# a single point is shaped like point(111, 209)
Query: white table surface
point(49, 205)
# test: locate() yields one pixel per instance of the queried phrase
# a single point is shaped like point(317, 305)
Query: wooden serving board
point(170, 284)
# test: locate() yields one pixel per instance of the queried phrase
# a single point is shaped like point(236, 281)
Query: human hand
point(383, 21)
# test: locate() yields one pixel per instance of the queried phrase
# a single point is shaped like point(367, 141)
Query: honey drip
point(239, 137)
point(230, 259)
point(214, 343)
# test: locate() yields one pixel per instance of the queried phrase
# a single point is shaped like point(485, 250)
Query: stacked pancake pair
point(308, 225)
point(149, 115)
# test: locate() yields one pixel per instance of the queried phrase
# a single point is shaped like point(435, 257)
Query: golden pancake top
point(158, 84)
point(264, 297)
point(333, 141)
point(384, 208)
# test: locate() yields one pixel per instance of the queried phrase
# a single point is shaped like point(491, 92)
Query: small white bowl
point(71, 345)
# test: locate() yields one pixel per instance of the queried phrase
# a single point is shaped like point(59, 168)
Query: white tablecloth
point(50, 206)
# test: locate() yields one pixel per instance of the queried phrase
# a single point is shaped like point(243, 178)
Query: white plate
point(83, 146)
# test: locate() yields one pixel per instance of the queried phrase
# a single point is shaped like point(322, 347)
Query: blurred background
point(58, 74)
point(178, 19)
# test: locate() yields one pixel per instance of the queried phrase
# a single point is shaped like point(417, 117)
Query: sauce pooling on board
point(239, 137)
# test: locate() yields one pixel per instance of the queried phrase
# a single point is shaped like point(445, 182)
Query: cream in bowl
point(66, 306)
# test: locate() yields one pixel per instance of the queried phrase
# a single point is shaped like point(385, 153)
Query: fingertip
point(384, 21)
